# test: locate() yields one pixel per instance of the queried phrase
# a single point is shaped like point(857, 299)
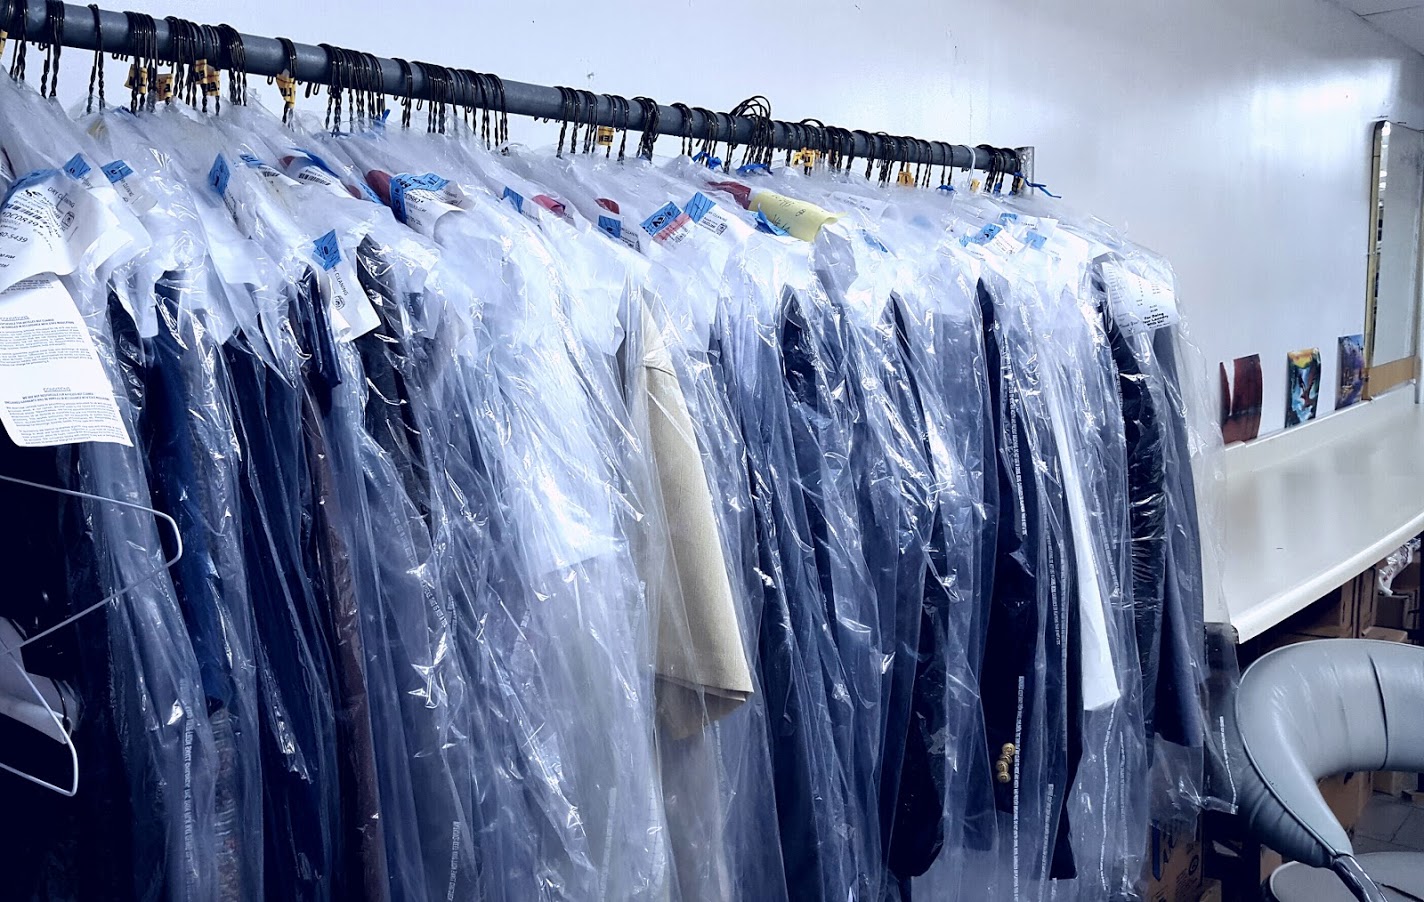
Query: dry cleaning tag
point(420, 200)
point(1138, 304)
point(351, 312)
point(53, 390)
point(49, 223)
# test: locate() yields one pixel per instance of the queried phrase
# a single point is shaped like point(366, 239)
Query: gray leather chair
point(1314, 710)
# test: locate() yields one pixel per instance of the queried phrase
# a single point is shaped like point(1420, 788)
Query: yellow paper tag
point(605, 136)
point(165, 85)
point(137, 76)
point(974, 185)
point(288, 88)
point(4, 36)
point(797, 217)
point(208, 77)
point(806, 158)
point(906, 177)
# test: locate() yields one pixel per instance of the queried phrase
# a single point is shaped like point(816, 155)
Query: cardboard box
point(1174, 866)
point(1382, 634)
point(1347, 796)
point(1408, 579)
point(1395, 783)
point(1270, 860)
point(1338, 615)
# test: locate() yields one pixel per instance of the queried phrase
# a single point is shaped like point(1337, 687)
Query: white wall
point(1232, 135)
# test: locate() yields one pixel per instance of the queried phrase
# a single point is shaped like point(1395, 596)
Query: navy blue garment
point(181, 473)
point(913, 801)
point(793, 647)
point(819, 380)
point(300, 772)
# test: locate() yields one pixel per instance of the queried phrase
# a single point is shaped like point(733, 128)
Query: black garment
point(1143, 428)
point(1032, 620)
point(1179, 717)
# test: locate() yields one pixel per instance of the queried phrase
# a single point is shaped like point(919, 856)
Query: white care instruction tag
point(873, 208)
point(268, 172)
point(702, 210)
point(351, 312)
point(420, 200)
point(128, 185)
point(1138, 304)
point(50, 223)
point(53, 390)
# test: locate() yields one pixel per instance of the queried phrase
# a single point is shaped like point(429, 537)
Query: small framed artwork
point(1302, 386)
point(1241, 399)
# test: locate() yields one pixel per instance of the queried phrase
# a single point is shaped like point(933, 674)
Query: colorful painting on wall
point(1352, 371)
point(1241, 399)
point(1302, 386)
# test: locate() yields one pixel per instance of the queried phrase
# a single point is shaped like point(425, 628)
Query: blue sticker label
point(1006, 218)
point(874, 242)
point(219, 175)
point(321, 164)
point(405, 182)
point(26, 181)
point(614, 227)
point(328, 253)
point(1034, 240)
point(766, 225)
point(515, 198)
point(699, 206)
point(116, 171)
point(665, 216)
point(988, 233)
point(77, 167)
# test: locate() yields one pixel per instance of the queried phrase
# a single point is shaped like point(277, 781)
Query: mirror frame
point(1382, 376)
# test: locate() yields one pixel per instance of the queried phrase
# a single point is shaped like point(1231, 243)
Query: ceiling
point(1404, 19)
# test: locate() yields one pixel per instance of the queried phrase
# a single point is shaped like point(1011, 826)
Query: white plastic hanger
point(59, 720)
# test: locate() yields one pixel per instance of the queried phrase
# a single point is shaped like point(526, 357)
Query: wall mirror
point(1392, 300)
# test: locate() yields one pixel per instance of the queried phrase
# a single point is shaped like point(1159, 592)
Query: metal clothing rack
point(83, 27)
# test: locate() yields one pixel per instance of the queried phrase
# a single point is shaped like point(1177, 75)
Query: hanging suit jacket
point(1032, 615)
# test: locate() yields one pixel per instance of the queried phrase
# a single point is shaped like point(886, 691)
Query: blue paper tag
point(26, 181)
point(77, 167)
point(250, 160)
point(699, 206)
point(613, 227)
point(766, 225)
point(406, 182)
point(1034, 240)
point(116, 171)
point(1006, 218)
point(752, 168)
point(219, 175)
point(663, 217)
point(328, 253)
point(874, 242)
point(949, 189)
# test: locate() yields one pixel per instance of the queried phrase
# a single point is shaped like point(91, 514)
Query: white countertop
point(1307, 509)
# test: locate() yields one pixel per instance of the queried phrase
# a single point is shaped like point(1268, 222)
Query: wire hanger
point(60, 719)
